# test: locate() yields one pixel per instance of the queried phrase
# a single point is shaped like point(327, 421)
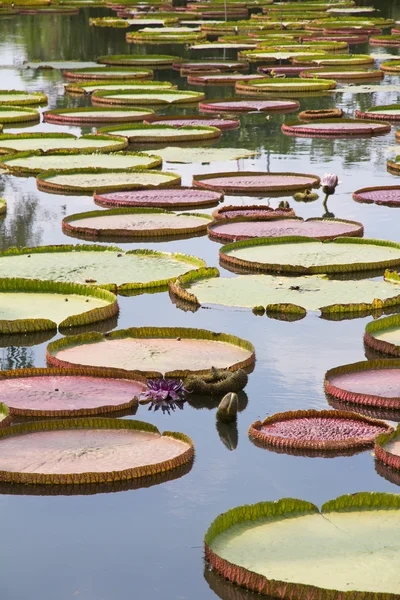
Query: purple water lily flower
point(329, 183)
point(167, 394)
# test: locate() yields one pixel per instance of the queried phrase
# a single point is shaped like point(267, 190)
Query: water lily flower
point(167, 394)
point(329, 183)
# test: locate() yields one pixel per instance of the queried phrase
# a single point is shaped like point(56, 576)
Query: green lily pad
point(50, 142)
point(332, 59)
point(390, 112)
point(135, 97)
point(273, 86)
point(383, 335)
point(135, 223)
point(103, 180)
point(144, 86)
point(28, 305)
point(21, 98)
point(290, 549)
point(14, 114)
point(174, 154)
point(98, 73)
point(92, 115)
point(163, 133)
point(306, 256)
point(172, 351)
point(311, 293)
point(103, 265)
point(32, 163)
point(153, 60)
point(4, 415)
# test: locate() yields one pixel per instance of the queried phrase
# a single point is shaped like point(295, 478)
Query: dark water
point(147, 543)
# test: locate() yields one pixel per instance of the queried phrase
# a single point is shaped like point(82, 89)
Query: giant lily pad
point(17, 114)
point(280, 295)
point(163, 133)
point(171, 351)
point(322, 229)
point(103, 180)
point(4, 415)
point(93, 115)
point(374, 383)
point(141, 37)
point(75, 451)
point(381, 195)
point(383, 335)
point(155, 61)
point(389, 112)
point(387, 450)
point(32, 163)
point(174, 154)
point(193, 120)
point(288, 548)
point(302, 255)
point(234, 105)
point(134, 97)
point(222, 65)
point(103, 265)
point(69, 392)
point(336, 128)
point(99, 73)
point(316, 431)
point(135, 223)
point(110, 86)
point(21, 98)
point(385, 40)
point(288, 85)
point(22, 142)
point(181, 198)
point(391, 66)
point(28, 305)
point(331, 60)
point(343, 73)
point(220, 78)
point(250, 182)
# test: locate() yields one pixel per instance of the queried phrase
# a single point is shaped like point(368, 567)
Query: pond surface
point(147, 543)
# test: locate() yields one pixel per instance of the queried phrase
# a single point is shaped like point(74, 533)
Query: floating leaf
point(169, 351)
point(110, 86)
point(317, 431)
point(135, 223)
point(347, 74)
point(254, 212)
point(234, 105)
point(103, 265)
point(194, 121)
point(11, 114)
point(279, 86)
point(302, 255)
point(163, 133)
point(69, 392)
point(179, 198)
point(336, 128)
point(28, 305)
point(255, 182)
point(331, 296)
point(60, 65)
point(32, 163)
point(76, 451)
point(322, 229)
point(103, 180)
point(174, 154)
point(374, 383)
point(153, 60)
point(21, 98)
point(135, 97)
point(99, 73)
point(383, 335)
point(288, 548)
point(381, 195)
point(93, 115)
point(21, 142)
point(390, 112)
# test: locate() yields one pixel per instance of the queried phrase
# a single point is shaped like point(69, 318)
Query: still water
point(147, 543)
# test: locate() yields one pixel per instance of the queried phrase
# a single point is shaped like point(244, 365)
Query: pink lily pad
point(286, 70)
point(341, 128)
point(383, 195)
point(182, 198)
point(254, 182)
point(63, 393)
point(316, 431)
point(235, 105)
point(322, 229)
